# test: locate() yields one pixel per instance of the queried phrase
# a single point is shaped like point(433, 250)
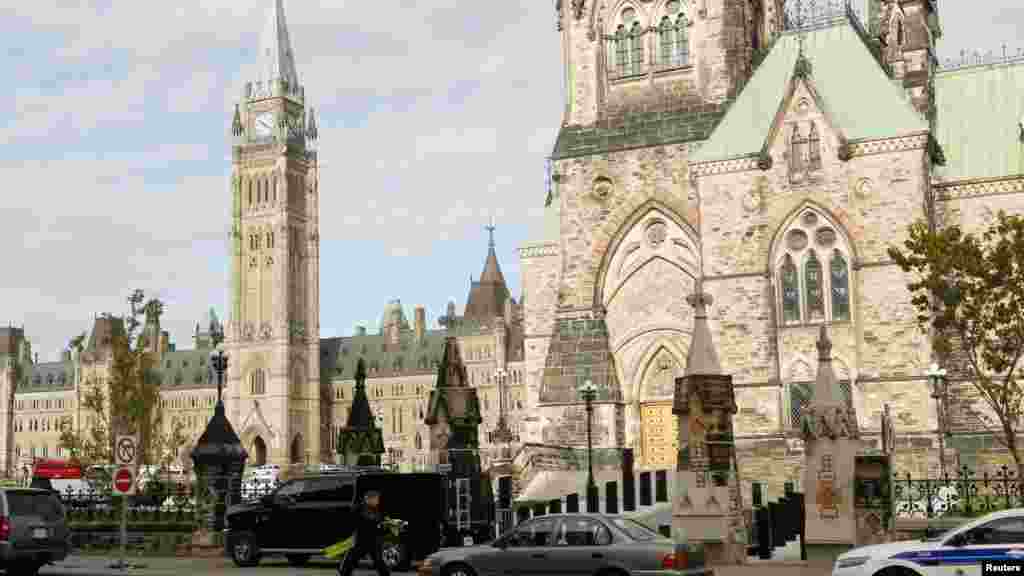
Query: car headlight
point(851, 561)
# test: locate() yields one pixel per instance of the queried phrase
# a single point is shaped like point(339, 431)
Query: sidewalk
point(182, 566)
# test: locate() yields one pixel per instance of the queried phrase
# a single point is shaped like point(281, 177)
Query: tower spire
point(277, 61)
point(490, 231)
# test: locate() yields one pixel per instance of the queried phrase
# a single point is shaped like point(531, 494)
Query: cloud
point(434, 117)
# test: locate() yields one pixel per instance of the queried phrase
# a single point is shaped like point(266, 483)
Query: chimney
point(360, 330)
point(421, 322)
point(65, 356)
point(165, 341)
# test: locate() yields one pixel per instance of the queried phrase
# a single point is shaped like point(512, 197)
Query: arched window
point(258, 382)
point(757, 21)
point(899, 32)
point(250, 194)
point(621, 51)
point(814, 148)
point(666, 41)
point(681, 53)
point(819, 289)
point(796, 150)
point(419, 441)
point(273, 187)
point(636, 48)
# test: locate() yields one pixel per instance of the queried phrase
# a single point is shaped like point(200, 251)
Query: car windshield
point(937, 536)
point(46, 506)
point(635, 530)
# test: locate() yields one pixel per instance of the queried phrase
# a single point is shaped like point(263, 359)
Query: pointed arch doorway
point(659, 429)
point(259, 451)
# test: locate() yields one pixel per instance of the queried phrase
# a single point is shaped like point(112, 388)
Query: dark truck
point(307, 514)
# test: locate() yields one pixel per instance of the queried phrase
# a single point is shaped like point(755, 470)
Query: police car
point(995, 538)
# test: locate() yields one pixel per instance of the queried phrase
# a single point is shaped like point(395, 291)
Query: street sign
point(126, 450)
point(124, 481)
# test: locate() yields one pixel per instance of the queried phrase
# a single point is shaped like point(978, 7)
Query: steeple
point(276, 59)
point(488, 295)
point(702, 359)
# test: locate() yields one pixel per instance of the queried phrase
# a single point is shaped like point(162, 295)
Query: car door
point(519, 551)
point(317, 512)
point(580, 546)
point(284, 530)
point(1001, 539)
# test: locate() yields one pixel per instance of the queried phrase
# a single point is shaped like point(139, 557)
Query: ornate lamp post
point(940, 392)
point(589, 393)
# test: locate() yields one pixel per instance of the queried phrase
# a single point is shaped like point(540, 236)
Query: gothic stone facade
point(697, 143)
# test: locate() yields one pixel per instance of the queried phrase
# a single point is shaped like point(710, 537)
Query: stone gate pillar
point(707, 517)
point(831, 438)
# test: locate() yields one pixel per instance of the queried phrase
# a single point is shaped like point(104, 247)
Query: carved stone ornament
point(602, 188)
point(830, 422)
point(764, 161)
point(266, 331)
point(864, 188)
point(752, 200)
point(796, 240)
point(253, 262)
point(845, 152)
point(803, 106)
point(577, 8)
point(809, 218)
point(656, 233)
point(248, 331)
point(270, 261)
point(825, 237)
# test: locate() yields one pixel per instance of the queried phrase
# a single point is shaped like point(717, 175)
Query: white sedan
point(996, 540)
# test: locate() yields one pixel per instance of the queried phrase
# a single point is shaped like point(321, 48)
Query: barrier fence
point(963, 494)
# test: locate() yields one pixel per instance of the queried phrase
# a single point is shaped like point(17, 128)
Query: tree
point(128, 401)
point(968, 291)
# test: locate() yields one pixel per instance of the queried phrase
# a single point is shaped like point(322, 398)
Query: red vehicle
point(56, 470)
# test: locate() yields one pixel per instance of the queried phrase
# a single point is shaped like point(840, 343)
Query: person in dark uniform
point(369, 537)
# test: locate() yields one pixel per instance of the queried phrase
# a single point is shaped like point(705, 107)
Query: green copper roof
point(338, 356)
point(47, 377)
point(861, 98)
point(186, 369)
point(979, 110)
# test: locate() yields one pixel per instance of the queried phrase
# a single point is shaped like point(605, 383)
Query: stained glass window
point(813, 283)
point(814, 148)
point(790, 292)
point(840, 277)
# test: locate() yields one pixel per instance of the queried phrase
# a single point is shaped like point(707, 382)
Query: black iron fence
point(960, 494)
point(161, 516)
point(775, 524)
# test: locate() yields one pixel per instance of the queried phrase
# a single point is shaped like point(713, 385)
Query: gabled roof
point(979, 110)
point(861, 98)
point(487, 297)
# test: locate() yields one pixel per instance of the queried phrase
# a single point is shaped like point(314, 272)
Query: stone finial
point(702, 358)
point(824, 346)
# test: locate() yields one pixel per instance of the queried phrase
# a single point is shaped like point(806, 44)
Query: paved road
point(96, 566)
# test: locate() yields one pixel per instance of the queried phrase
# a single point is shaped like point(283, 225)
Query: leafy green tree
point(968, 290)
point(128, 400)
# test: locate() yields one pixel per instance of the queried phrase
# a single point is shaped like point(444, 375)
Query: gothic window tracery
point(796, 150)
point(626, 45)
point(673, 37)
point(812, 268)
point(804, 151)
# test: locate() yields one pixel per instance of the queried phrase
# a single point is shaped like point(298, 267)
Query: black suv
point(305, 515)
point(33, 530)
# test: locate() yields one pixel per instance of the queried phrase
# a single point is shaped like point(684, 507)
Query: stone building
point(775, 156)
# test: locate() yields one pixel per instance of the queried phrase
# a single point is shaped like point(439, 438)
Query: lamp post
point(940, 392)
point(589, 392)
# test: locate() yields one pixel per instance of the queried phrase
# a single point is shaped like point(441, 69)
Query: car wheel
point(458, 569)
point(896, 571)
point(395, 556)
point(297, 560)
point(244, 552)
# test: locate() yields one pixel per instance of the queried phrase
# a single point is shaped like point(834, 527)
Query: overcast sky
point(435, 116)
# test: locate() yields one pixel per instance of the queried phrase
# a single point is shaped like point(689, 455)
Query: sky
point(435, 117)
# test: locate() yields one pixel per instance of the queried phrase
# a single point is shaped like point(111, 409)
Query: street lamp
point(940, 392)
point(589, 392)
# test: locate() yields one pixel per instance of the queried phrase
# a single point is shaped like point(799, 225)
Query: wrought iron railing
point(962, 494)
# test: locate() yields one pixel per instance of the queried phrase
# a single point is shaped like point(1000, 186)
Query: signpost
point(126, 452)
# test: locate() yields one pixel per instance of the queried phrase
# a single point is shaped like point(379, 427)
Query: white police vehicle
point(995, 538)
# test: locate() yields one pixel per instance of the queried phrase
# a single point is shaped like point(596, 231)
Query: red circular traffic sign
point(123, 480)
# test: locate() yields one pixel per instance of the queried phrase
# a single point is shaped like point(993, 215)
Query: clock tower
point(273, 335)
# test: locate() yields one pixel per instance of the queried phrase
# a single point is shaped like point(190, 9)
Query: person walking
point(369, 540)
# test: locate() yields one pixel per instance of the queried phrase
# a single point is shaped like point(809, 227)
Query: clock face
point(264, 124)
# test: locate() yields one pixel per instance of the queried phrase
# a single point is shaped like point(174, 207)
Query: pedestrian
point(369, 539)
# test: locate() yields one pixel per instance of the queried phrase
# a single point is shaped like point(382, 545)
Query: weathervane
point(490, 230)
